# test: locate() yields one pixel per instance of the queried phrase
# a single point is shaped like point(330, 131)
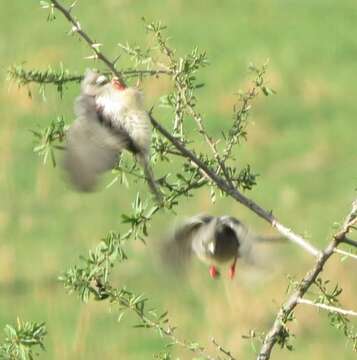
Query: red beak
point(118, 85)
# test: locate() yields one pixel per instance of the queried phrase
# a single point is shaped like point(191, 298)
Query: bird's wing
point(177, 248)
point(91, 147)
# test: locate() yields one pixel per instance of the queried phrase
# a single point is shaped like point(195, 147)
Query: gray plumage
point(110, 118)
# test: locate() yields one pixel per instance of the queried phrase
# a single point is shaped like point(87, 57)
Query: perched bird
point(214, 240)
point(110, 118)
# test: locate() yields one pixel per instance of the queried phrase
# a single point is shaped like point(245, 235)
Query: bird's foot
point(213, 272)
point(232, 269)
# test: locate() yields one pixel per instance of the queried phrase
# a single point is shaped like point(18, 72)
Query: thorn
point(72, 30)
point(213, 272)
point(92, 57)
point(72, 6)
point(116, 59)
point(151, 110)
point(44, 5)
point(96, 46)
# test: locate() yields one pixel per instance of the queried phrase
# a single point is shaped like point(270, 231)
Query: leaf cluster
point(330, 295)
point(21, 340)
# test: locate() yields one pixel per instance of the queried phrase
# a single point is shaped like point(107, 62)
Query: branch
point(350, 241)
point(60, 77)
point(219, 181)
point(327, 307)
point(287, 308)
point(222, 350)
point(345, 253)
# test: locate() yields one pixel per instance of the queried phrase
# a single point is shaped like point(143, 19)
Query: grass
point(302, 142)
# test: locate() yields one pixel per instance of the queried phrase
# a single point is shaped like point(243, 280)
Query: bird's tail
point(153, 185)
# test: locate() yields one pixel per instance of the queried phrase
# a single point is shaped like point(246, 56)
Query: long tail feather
point(153, 185)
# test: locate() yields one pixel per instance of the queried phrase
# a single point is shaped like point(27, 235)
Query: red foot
point(232, 269)
point(213, 272)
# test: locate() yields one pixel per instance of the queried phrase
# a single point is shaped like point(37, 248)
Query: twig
point(222, 350)
point(118, 296)
point(146, 72)
point(287, 308)
point(198, 119)
point(219, 181)
point(327, 307)
point(27, 76)
point(169, 333)
point(297, 239)
point(244, 106)
point(345, 253)
point(350, 241)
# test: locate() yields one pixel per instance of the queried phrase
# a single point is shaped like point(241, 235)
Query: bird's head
point(95, 83)
point(92, 82)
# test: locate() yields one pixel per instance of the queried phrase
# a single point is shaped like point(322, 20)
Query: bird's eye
point(101, 80)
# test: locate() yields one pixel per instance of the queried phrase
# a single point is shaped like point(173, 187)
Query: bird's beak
point(102, 79)
point(211, 247)
point(118, 84)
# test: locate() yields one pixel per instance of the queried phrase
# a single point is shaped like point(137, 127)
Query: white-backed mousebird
point(214, 240)
point(110, 118)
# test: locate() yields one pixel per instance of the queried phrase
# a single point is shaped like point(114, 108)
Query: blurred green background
point(301, 141)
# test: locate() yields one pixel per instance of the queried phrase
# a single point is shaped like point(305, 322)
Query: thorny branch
point(60, 77)
point(287, 308)
point(222, 350)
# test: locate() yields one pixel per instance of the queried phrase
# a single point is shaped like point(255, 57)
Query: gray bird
point(110, 118)
point(214, 240)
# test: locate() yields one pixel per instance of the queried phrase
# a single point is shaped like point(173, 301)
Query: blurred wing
point(91, 147)
point(177, 248)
